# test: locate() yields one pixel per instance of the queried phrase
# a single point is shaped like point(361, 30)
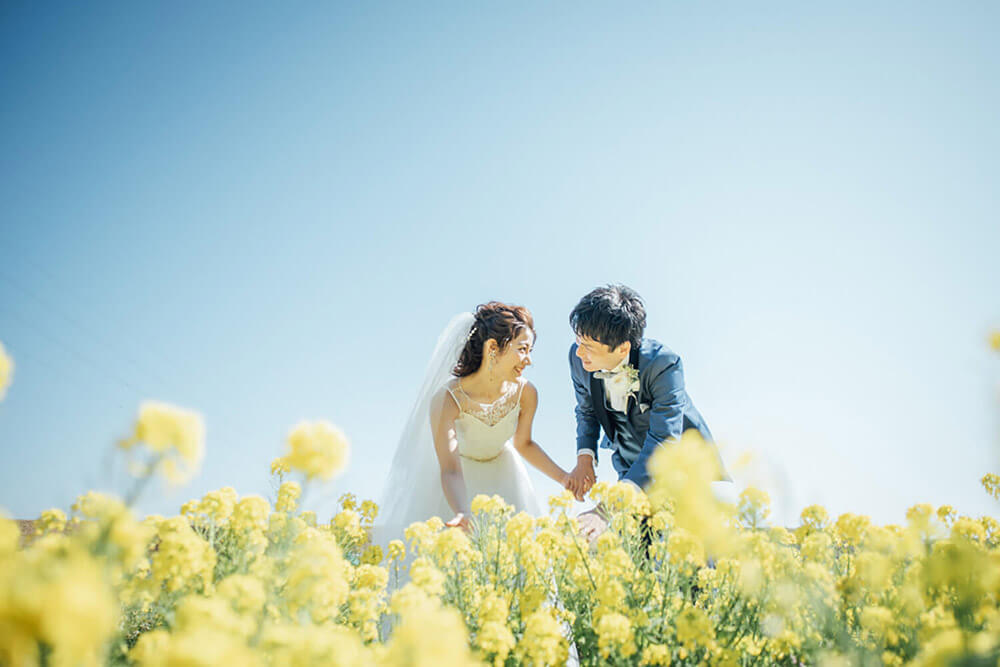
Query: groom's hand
point(592, 524)
point(582, 477)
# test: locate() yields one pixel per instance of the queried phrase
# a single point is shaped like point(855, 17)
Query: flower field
point(680, 578)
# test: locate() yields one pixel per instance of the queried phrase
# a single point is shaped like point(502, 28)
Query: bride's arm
point(443, 414)
point(527, 447)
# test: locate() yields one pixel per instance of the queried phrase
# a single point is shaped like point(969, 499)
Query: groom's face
point(598, 356)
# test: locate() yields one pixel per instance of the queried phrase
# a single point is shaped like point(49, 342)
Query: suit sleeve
point(666, 419)
point(587, 428)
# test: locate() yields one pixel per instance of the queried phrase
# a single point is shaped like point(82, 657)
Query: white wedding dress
point(484, 437)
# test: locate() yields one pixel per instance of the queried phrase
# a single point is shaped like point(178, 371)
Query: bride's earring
point(493, 358)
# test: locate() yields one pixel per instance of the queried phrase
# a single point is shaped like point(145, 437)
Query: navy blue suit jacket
point(660, 411)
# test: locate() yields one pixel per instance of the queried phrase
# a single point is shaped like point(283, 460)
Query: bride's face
point(511, 362)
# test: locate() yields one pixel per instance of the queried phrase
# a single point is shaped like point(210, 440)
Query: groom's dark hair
point(610, 315)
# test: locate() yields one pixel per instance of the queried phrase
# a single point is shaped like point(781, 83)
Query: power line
point(75, 322)
point(103, 370)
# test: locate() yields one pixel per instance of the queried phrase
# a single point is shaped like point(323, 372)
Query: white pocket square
point(643, 407)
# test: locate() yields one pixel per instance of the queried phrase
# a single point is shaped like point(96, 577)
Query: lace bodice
point(483, 430)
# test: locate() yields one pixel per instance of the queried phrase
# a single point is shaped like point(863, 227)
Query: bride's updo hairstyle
point(495, 320)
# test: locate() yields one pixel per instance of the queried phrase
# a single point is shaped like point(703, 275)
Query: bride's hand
point(569, 483)
point(582, 477)
point(460, 521)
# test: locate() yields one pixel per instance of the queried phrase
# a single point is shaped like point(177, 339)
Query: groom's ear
point(624, 348)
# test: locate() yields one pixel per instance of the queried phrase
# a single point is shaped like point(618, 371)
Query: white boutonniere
point(623, 383)
point(632, 377)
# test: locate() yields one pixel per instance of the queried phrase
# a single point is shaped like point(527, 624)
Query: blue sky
point(267, 213)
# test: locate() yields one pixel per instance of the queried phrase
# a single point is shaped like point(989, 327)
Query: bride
point(470, 426)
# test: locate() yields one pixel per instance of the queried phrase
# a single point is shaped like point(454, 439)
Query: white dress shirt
point(616, 391)
point(616, 388)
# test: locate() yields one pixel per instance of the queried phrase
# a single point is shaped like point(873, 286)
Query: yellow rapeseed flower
point(397, 550)
point(10, 535)
point(198, 647)
point(299, 645)
point(218, 505)
point(370, 577)
point(369, 511)
point(55, 593)
point(411, 599)
point(754, 507)
point(817, 548)
point(947, 514)
point(966, 528)
point(427, 577)
point(365, 608)
point(991, 482)
point(6, 371)
point(852, 529)
point(246, 593)
point(685, 549)
point(682, 474)
point(495, 639)
point(372, 555)
point(420, 536)
point(279, 466)
point(694, 629)
point(317, 576)
point(151, 648)
point(879, 622)
point(197, 612)
point(288, 495)
point(451, 545)
point(657, 655)
point(250, 512)
point(493, 505)
point(625, 497)
point(561, 501)
point(347, 526)
point(614, 636)
point(182, 560)
point(317, 449)
point(433, 637)
point(348, 501)
point(610, 592)
point(174, 436)
point(519, 527)
point(493, 607)
point(874, 571)
point(543, 642)
point(51, 521)
point(815, 517)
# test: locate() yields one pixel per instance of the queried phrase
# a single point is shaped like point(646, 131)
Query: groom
point(630, 387)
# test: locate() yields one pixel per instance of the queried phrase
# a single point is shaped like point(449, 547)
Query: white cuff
point(587, 452)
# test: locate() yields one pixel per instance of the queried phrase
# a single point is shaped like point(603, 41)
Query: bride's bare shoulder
point(528, 391)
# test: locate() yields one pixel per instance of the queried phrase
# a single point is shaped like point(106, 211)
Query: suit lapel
point(597, 399)
point(633, 360)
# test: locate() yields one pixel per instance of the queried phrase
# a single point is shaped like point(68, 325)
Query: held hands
point(582, 478)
